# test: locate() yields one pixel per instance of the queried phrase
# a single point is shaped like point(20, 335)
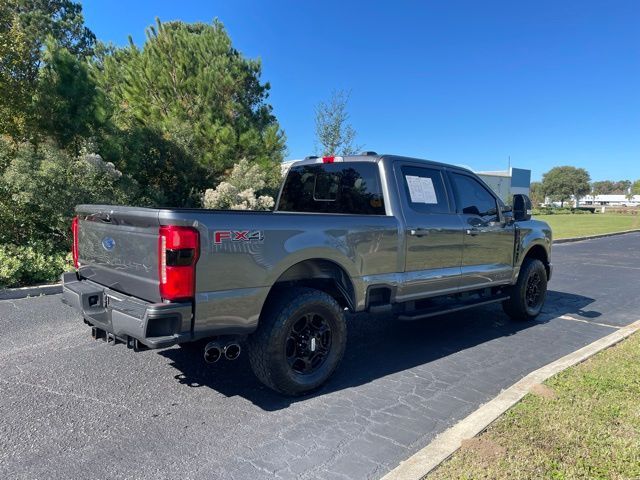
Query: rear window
point(349, 187)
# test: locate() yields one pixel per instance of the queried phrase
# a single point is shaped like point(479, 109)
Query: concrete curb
point(446, 444)
point(589, 237)
point(35, 291)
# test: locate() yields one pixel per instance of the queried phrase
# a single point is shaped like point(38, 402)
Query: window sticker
point(421, 189)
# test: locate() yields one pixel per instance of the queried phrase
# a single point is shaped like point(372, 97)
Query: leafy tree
point(165, 173)
point(25, 25)
point(334, 133)
point(609, 187)
point(561, 183)
point(188, 86)
point(603, 187)
point(635, 188)
point(536, 194)
point(621, 187)
point(67, 102)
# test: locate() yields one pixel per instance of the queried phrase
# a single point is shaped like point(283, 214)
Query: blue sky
point(466, 82)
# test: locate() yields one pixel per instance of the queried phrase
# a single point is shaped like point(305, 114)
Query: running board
point(420, 314)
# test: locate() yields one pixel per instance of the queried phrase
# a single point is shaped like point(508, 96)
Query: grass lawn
point(566, 226)
point(582, 423)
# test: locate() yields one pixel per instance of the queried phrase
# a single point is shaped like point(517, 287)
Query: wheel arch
point(321, 274)
point(538, 252)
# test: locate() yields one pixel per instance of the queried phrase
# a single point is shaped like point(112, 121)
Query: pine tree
point(25, 27)
point(190, 86)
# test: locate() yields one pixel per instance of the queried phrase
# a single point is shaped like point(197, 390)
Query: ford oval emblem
point(108, 243)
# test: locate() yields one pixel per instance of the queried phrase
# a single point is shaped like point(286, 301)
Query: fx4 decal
point(238, 236)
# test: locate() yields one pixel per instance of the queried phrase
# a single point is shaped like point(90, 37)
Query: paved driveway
point(71, 407)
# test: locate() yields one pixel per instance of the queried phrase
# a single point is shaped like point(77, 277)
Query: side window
point(425, 190)
point(473, 198)
point(349, 187)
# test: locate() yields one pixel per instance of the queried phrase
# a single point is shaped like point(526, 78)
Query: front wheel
point(299, 342)
point(529, 292)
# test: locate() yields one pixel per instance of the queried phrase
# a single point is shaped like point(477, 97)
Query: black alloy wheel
point(308, 343)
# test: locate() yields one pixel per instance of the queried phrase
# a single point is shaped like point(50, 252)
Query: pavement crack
point(64, 394)
point(12, 303)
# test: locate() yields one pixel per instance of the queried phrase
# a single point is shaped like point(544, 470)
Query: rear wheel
point(299, 342)
point(529, 293)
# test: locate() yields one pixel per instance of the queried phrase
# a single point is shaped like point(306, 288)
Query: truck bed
point(242, 254)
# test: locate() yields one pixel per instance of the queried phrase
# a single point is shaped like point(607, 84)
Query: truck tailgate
point(118, 248)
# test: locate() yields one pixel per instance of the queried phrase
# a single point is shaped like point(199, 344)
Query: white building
point(611, 200)
point(507, 183)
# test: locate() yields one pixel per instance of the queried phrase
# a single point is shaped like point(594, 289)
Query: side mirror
point(521, 208)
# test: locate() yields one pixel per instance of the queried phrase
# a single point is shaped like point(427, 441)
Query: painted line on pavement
point(581, 320)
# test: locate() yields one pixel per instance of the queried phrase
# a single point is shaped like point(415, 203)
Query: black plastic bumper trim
point(156, 325)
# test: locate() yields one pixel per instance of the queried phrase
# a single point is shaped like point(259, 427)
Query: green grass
point(567, 226)
point(584, 423)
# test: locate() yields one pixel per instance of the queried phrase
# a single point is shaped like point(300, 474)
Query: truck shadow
point(377, 346)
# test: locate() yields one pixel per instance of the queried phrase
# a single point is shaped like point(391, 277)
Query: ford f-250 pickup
point(363, 233)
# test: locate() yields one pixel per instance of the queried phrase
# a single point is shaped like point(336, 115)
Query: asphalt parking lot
point(72, 407)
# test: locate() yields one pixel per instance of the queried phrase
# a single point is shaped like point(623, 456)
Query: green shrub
point(551, 211)
point(582, 210)
point(248, 187)
point(560, 211)
point(40, 187)
point(26, 265)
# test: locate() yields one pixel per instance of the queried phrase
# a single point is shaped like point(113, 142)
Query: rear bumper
point(155, 325)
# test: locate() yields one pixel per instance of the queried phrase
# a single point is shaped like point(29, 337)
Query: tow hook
point(97, 333)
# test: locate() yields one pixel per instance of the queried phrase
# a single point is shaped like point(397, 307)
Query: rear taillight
point(179, 248)
point(74, 247)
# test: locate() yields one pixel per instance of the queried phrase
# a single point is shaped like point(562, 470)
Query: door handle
point(419, 232)
point(473, 231)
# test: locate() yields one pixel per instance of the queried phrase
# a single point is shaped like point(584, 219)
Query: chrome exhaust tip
point(212, 352)
point(232, 351)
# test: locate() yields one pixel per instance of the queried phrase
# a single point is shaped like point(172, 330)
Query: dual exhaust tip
point(214, 351)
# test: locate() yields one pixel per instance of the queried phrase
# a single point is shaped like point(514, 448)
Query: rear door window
point(425, 190)
point(346, 187)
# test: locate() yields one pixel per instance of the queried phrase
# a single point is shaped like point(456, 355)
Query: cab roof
point(374, 158)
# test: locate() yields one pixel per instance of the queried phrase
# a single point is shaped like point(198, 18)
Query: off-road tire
point(267, 345)
point(519, 306)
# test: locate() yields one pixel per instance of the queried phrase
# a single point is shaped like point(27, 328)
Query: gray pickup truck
point(363, 233)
